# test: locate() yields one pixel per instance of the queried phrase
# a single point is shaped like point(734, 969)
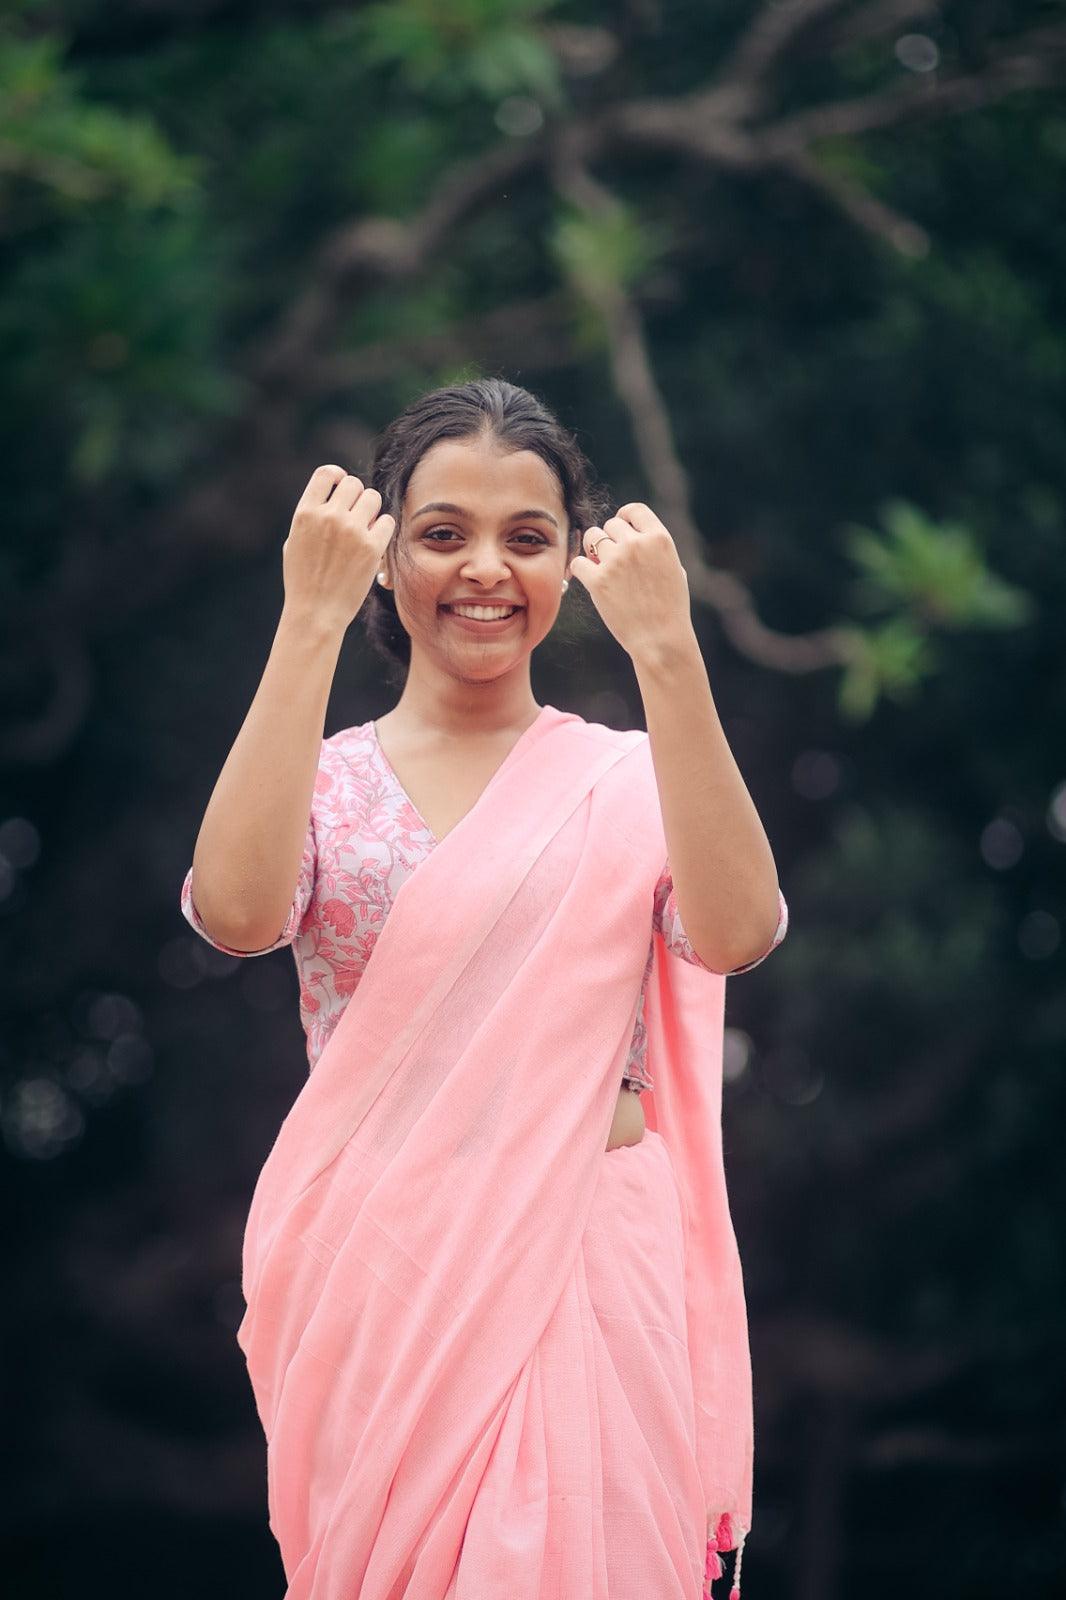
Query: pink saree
point(491, 1358)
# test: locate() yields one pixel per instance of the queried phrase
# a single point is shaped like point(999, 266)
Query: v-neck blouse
point(364, 838)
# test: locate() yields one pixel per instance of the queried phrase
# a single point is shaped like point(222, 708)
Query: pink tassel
point(724, 1539)
point(712, 1569)
point(734, 1593)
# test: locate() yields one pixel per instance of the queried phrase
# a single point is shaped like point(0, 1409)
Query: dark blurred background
point(795, 272)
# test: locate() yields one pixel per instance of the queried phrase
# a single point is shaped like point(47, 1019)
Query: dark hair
point(485, 406)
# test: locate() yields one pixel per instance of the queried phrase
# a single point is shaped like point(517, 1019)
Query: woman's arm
point(725, 879)
point(247, 857)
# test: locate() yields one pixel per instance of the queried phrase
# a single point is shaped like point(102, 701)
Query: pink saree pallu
point(490, 1357)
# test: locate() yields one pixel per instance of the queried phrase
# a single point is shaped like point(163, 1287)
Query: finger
point(347, 492)
point(605, 541)
point(383, 529)
point(368, 505)
point(320, 486)
point(619, 528)
point(641, 516)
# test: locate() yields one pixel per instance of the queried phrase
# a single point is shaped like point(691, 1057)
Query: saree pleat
point(476, 1338)
point(629, 1400)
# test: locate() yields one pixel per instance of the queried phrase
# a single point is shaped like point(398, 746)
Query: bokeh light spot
point(131, 1058)
point(1001, 844)
point(1039, 935)
point(790, 1075)
point(20, 842)
point(736, 1054)
point(816, 774)
point(518, 116)
point(178, 964)
point(40, 1119)
point(1056, 813)
point(108, 1015)
point(917, 52)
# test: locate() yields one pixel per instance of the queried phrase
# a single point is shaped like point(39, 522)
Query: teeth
point(483, 613)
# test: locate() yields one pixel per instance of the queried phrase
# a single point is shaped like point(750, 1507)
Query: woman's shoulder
point(350, 744)
point(600, 732)
point(346, 766)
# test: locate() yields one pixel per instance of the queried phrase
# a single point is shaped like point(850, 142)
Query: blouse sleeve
point(297, 911)
point(666, 920)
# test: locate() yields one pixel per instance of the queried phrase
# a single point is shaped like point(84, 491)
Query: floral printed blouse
point(364, 837)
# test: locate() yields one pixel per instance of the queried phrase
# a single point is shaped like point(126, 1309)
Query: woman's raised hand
point(335, 547)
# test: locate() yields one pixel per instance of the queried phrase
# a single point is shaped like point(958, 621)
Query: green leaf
point(890, 660)
point(512, 61)
point(489, 48)
point(610, 250)
point(75, 151)
point(935, 571)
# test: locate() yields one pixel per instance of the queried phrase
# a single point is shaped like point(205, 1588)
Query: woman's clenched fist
point(335, 547)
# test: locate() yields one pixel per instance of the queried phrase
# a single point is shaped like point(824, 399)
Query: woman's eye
point(534, 538)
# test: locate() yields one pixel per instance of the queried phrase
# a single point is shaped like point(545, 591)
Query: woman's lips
point(474, 625)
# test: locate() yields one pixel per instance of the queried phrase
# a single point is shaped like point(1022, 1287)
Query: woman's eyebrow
point(516, 516)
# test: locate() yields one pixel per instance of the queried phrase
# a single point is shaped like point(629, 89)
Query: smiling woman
point(491, 496)
point(484, 559)
point(495, 1321)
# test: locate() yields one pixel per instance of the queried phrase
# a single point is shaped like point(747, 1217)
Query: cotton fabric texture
point(490, 1357)
point(364, 837)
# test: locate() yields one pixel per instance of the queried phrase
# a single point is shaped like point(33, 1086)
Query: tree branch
point(1035, 59)
point(290, 365)
point(878, 18)
point(767, 35)
point(382, 247)
point(649, 417)
point(909, 238)
point(541, 328)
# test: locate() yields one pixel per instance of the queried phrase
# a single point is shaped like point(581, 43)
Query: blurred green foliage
point(490, 48)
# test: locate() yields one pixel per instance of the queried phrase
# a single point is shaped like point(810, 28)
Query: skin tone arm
point(723, 868)
point(246, 863)
point(247, 857)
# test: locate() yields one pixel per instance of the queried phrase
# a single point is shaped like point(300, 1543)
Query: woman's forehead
point(473, 476)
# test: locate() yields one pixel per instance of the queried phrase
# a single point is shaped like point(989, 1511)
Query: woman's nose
point(486, 568)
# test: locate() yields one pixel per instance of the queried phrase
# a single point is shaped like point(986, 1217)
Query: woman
point(495, 1320)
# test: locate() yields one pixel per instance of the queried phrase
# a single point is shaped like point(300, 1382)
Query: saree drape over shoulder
point(433, 1356)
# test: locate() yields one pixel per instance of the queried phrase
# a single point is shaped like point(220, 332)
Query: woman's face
point(479, 524)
